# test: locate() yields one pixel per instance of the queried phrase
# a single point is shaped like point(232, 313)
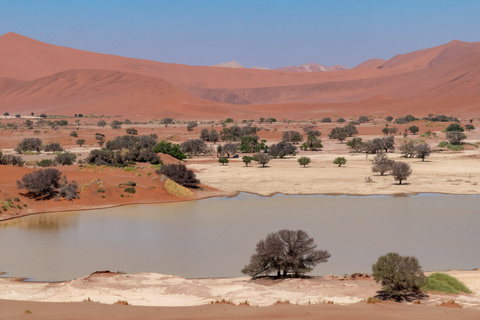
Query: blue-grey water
point(215, 237)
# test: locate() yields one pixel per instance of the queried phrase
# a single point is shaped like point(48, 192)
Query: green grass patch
point(442, 282)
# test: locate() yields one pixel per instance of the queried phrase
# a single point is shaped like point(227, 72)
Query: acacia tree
point(303, 161)
point(46, 182)
point(422, 150)
point(413, 129)
point(285, 252)
point(340, 161)
point(262, 158)
point(401, 171)
point(398, 275)
point(381, 163)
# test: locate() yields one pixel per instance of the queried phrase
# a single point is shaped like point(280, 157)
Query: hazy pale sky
point(265, 33)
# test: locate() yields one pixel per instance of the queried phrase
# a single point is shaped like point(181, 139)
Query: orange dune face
point(39, 77)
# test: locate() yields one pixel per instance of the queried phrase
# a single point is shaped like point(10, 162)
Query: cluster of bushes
point(441, 118)
point(281, 150)
point(10, 159)
point(180, 174)
point(236, 133)
point(171, 149)
point(341, 133)
point(125, 150)
point(372, 146)
point(406, 119)
point(211, 136)
point(47, 183)
point(420, 150)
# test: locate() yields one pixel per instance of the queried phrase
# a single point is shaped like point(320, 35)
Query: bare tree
point(422, 150)
point(401, 171)
point(381, 163)
point(408, 149)
point(230, 149)
point(285, 252)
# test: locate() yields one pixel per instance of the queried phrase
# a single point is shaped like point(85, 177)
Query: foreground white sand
point(147, 289)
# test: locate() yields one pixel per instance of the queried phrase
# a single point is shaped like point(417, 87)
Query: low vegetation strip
point(175, 189)
point(442, 282)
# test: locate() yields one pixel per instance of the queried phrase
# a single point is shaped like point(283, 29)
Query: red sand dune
point(39, 77)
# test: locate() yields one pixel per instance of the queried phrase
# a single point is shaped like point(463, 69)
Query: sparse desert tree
point(29, 124)
point(413, 129)
point(386, 131)
point(101, 123)
point(247, 160)
point(115, 124)
point(304, 161)
point(422, 150)
point(408, 149)
point(363, 119)
point(338, 133)
point(381, 163)
point(223, 160)
point(469, 127)
point(74, 134)
point(204, 134)
point(213, 136)
point(166, 121)
point(401, 171)
point(400, 276)
point(180, 174)
point(285, 252)
point(340, 120)
point(456, 137)
point(81, 142)
point(312, 143)
point(11, 159)
point(68, 190)
point(262, 158)
point(340, 161)
point(191, 125)
point(29, 144)
point(230, 149)
point(326, 120)
point(389, 118)
point(356, 145)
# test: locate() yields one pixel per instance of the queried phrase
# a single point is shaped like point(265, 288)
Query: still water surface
point(215, 237)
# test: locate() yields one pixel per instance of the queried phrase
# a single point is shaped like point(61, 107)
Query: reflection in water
point(49, 222)
point(215, 237)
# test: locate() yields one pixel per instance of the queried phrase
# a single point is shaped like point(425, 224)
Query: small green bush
point(131, 183)
point(443, 144)
point(442, 282)
point(129, 190)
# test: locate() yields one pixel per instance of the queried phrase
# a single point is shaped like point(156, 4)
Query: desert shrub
point(180, 174)
point(29, 144)
point(236, 133)
point(101, 123)
point(247, 160)
point(66, 158)
point(53, 147)
point(312, 143)
point(340, 161)
point(469, 127)
point(80, 142)
point(363, 119)
point(355, 145)
point(454, 127)
point(74, 134)
point(191, 125)
point(10, 159)
point(168, 148)
point(131, 184)
point(115, 124)
point(327, 119)
point(132, 131)
point(223, 160)
point(398, 275)
point(129, 190)
point(422, 150)
point(68, 190)
point(442, 282)
point(443, 144)
point(46, 163)
point(42, 183)
point(340, 120)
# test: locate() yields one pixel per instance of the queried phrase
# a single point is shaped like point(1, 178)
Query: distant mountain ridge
point(306, 67)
